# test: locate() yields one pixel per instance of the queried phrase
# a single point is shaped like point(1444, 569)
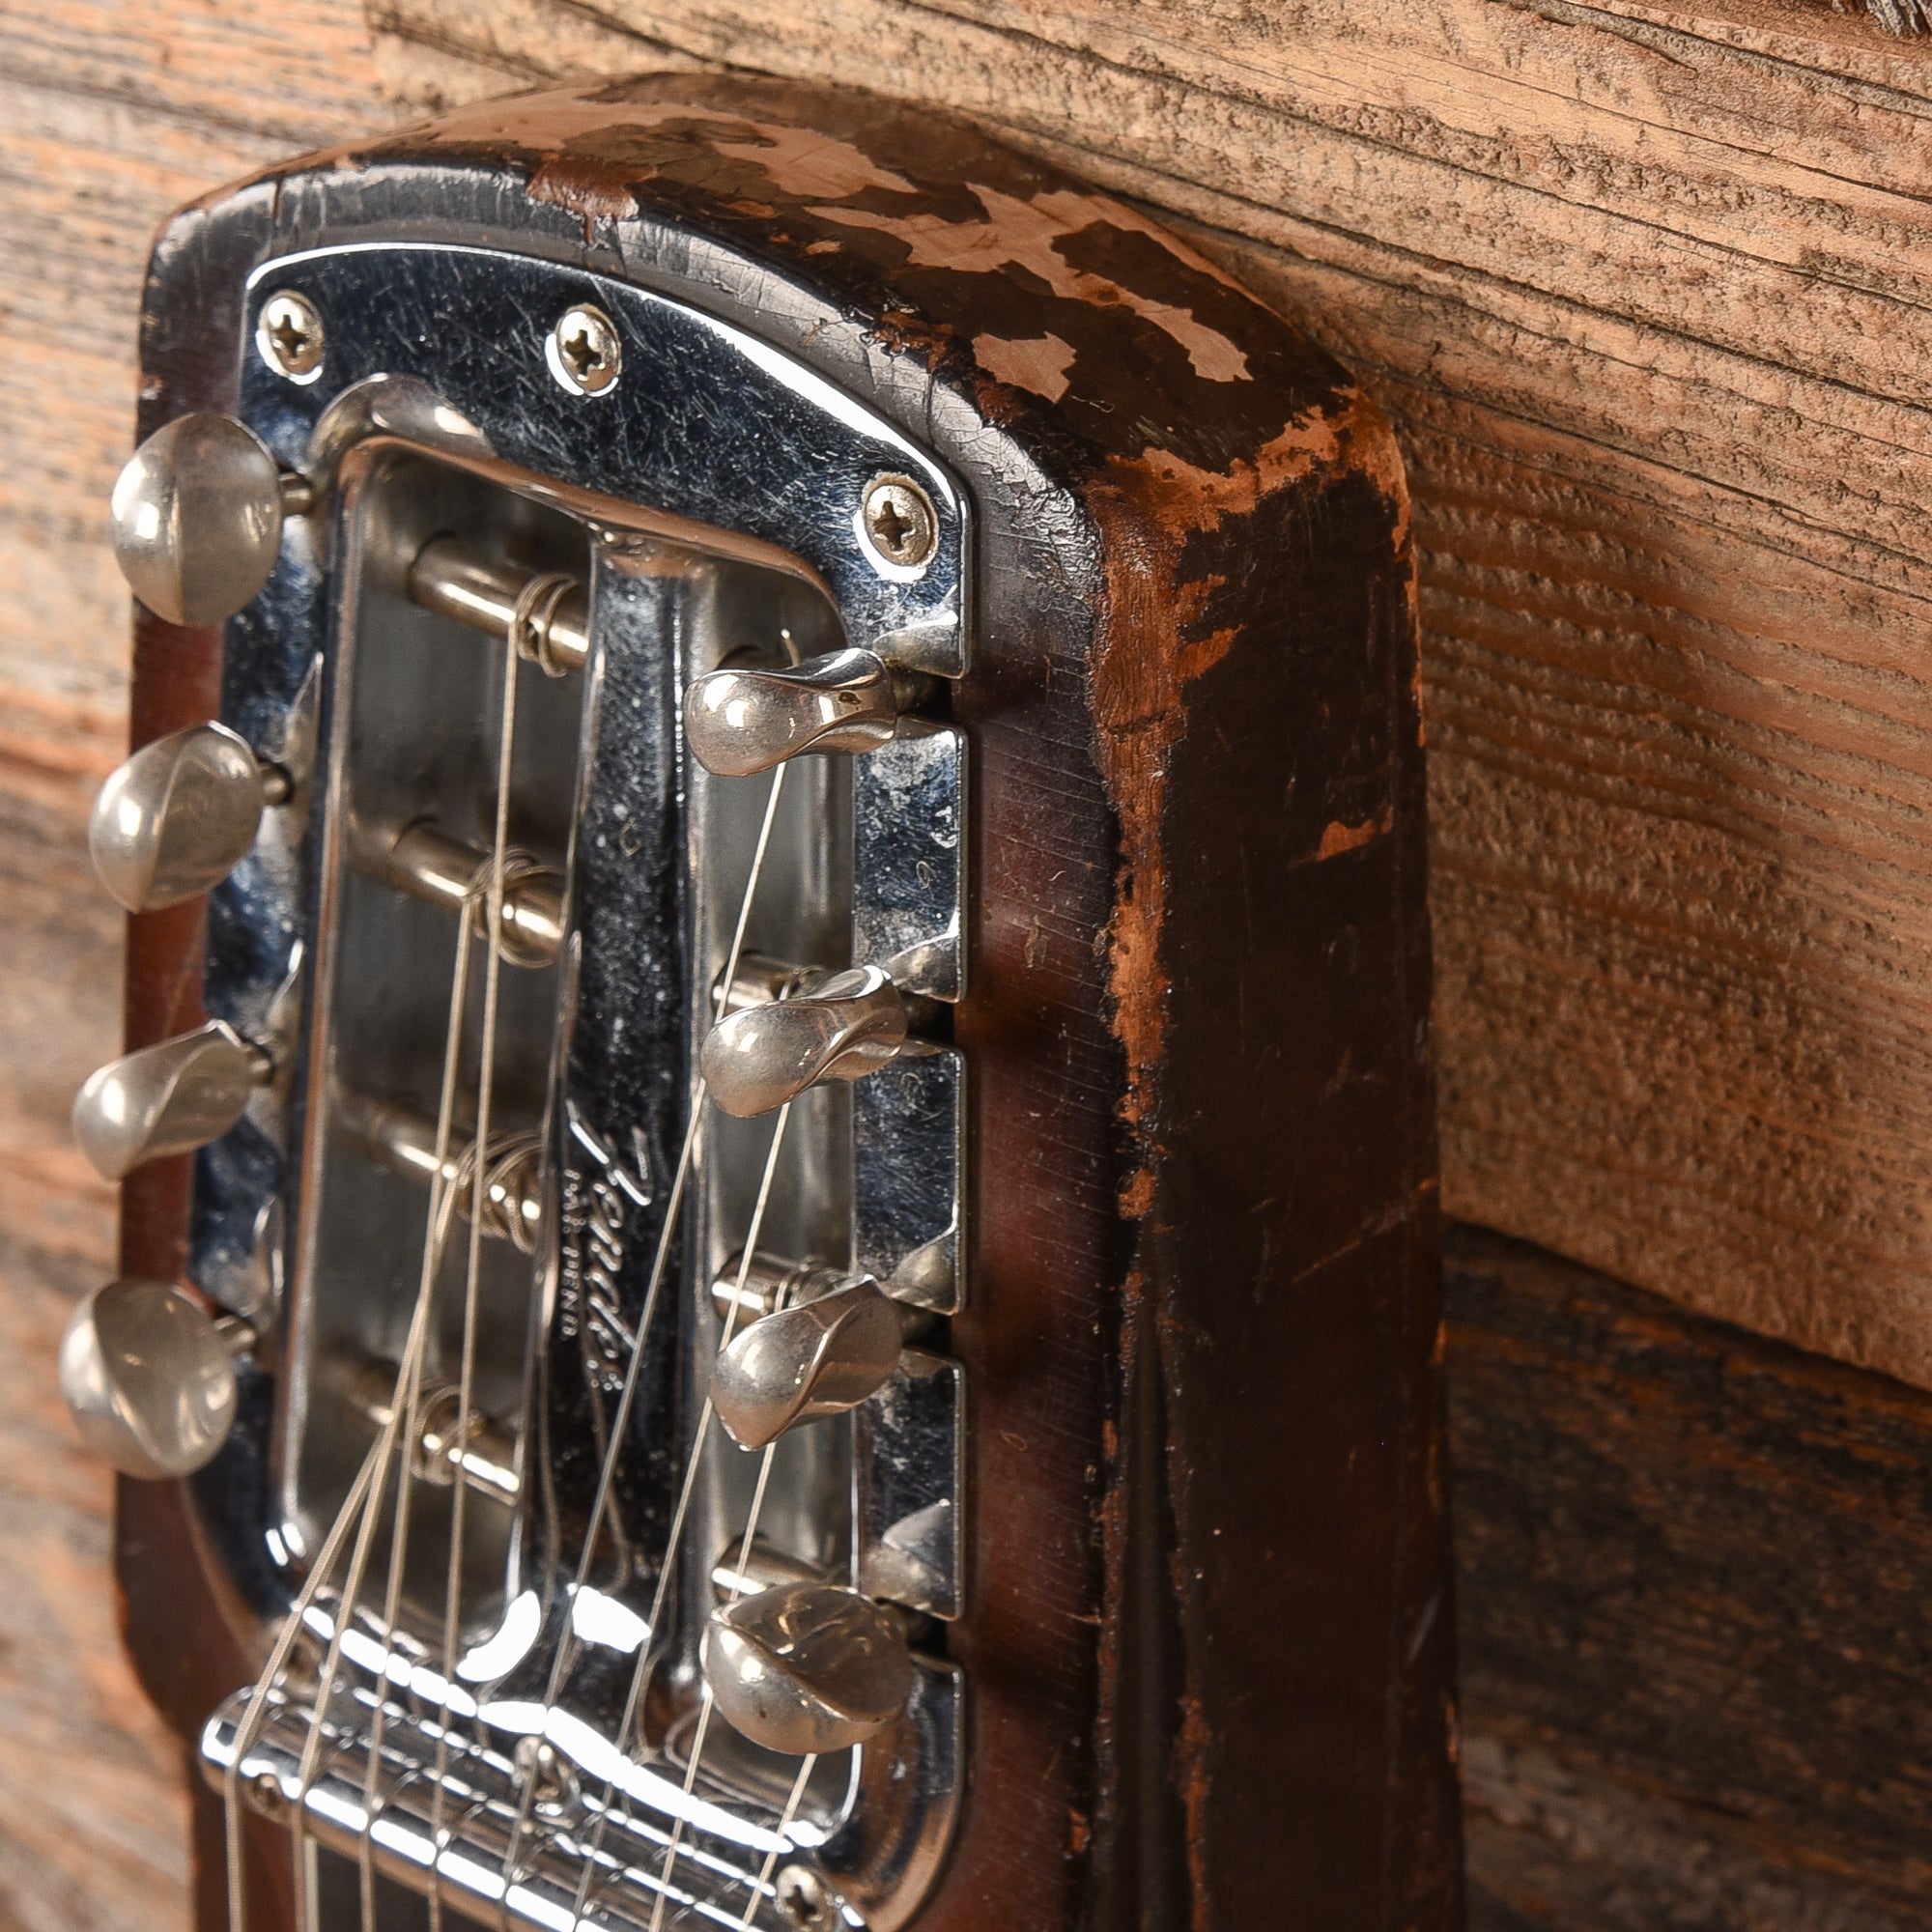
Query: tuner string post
point(527, 917)
point(398, 1138)
point(544, 616)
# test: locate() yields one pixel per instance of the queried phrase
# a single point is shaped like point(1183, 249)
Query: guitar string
point(278, 1656)
point(807, 1765)
point(705, 1702)
point(465, 1385)
point(362, 1497)
point(404, 1398)
point(651, 1647)
point(353, 1510)
point(445, 1186)
point(510, 1151)
point(411, 1431)
point(561, 1658)
point(395, 1443)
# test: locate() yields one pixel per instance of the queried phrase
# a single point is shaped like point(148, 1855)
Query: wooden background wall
point(1646, 289)
point(110, 116)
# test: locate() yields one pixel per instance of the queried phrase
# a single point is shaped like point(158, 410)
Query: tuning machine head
point(819, 1359)
point(167, 1098)
point(149, 1377)
point(178, 815)
point(197, 518)
point(807, 1668)
point(742, 719)
point(846, 1026)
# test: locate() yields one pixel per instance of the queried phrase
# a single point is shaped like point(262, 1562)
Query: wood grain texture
point(110, 116)
point(1645, 287)
point(1693, 1623)
point(92, 1814)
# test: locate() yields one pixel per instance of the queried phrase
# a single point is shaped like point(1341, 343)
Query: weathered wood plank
point(108, 118)
point(93, 1817)
point(1645, 287)
point(1693, 1626)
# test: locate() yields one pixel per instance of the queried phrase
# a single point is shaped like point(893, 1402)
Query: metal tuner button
point(180, 815)
point(197, 518)
point(149, 1377)
point(744, 721)
point(167, 1098)
point(820, 1358)
point(807, 1667)
point(844, 1027)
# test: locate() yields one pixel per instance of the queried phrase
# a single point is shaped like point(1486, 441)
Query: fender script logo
point(600, 1197)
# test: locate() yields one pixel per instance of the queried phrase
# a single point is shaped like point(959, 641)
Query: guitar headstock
point(800, 1093)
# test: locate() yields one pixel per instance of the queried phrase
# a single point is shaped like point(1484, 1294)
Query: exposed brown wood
point(1694, 1623)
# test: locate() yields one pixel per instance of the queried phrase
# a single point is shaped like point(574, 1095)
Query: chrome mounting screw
point(584, 352)
point(289, 336)
point(899, 522)
point(803, 1900)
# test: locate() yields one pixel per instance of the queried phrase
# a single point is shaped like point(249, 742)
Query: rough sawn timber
point(109, 117)
point(1693, 1622)
point(1645, 288)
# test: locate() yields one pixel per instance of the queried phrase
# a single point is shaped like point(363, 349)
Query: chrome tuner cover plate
point(519, 505)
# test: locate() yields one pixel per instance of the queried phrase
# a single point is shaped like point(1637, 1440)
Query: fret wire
point(561, 1660)
point(649, 1649)
point(459, 1494)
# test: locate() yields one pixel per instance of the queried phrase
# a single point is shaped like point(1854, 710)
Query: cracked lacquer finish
point(1206, 1628)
